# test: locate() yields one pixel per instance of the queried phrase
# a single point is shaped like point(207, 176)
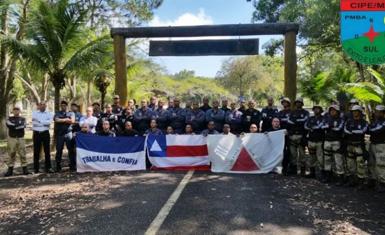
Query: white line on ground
point(163, 213)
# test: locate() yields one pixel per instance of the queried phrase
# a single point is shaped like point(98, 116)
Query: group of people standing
point(335, 140)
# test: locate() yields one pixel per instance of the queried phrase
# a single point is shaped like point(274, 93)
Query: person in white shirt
point(41, 121)
point(90, 120)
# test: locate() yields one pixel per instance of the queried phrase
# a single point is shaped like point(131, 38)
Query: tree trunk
point(3, 119)
point(89, 83)
point(57, 98)
point(103, 96)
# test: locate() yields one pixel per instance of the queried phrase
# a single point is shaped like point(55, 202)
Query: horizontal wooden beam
point(204, 47)
point(206, 30)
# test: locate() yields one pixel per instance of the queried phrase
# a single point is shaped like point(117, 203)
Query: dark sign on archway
point(206, 47)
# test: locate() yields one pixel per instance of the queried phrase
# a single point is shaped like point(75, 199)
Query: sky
point(201, 12)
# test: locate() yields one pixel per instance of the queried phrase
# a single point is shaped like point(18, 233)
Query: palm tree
point(59, 43)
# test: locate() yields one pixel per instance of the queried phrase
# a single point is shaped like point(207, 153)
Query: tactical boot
point(312, 173)
point(9, 172)
point(303, 172)
point(25, 170)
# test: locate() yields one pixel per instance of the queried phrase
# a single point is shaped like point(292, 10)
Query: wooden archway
point(289, 30)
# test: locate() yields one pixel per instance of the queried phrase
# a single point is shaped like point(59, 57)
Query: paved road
point(127, 203)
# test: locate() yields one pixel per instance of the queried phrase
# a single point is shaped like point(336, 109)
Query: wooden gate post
point(120, 68)
point(290, 57)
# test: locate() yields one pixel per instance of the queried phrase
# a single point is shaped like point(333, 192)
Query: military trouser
point(378, 150)
point(355, 161)
point(372, 172)
point(333, 159)
point(16, 146)
point(316, 154)
point(297, 151)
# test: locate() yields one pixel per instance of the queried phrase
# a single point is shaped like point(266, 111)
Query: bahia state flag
point(178, 152)
point(100, 153)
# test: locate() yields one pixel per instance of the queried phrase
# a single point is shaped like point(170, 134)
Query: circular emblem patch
point(363, 30)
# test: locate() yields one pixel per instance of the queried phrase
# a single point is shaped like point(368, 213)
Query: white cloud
point(187, 18)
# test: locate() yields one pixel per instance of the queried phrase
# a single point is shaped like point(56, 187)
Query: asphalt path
point(171, 203)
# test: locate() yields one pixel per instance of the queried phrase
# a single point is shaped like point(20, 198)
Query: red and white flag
point(178, 152)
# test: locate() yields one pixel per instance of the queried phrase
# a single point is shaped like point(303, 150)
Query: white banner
point(251, 153)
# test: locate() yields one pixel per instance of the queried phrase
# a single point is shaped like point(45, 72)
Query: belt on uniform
point(40, 132)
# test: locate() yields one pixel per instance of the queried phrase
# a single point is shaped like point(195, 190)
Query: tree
point(58, 43)
point(13, 17)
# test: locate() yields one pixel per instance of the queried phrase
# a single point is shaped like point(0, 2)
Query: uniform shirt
point(234, 119)
point(91, 122)
point(297, 120)
point(63, 128)
point(108, 133)
point(16, 127)
point(209, 132)
point(76, 125)
point(284, 116)
point(152, 106)
point(205, 108)
point(41, 120)
point(123, 119)
point(197, 119)
point(131, 132)
point(142, 118)
point(251, 116)
point(155, 131)
point(333, 127)
point(226, 109)
point(268, 113)
point(162, 118)
point(111, 118)
point(117, 109)
point(217, 116)
point(177, 119)
point(355, 130)
point(314, 126)
point(377, 131)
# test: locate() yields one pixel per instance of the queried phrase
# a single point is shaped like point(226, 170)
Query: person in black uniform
point(128, 130)
point(162, 116)
point(16, 143)
point(316, 135)
point(143, 117)
point(116, 108)
point(127, 116)
point(196, 118)
point(97, 111)
point(225, 105)
point(297, 135)
point(268, 113)
point(108, 116)
point(177, 117)
point(106, 131)
point(205, 105)
point(63, 126)
point(251, 116)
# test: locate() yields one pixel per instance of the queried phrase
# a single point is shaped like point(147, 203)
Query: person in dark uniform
point(97, 111)
point(316, 136)
point(297, 135)
point(275, 125)
point(225, 104)
point(251, 116)
point(143, 117)
point(355, 129)
point(283, 116)
point(216, 115)
point(63, 126)
point(242, 106)
point(162, 116)
point(108, 116)
point(210, 129)
point(234, 119)
point(153, 130)
point(205, 105)
point(196, 118)
point(268, 113)
point(128, 130)
point(127, 116)
point(177, 117)
point(116, 108)
point(75, 128)
point(106, 131)
point(152, 104)
point(333, 159)
point(16, 142)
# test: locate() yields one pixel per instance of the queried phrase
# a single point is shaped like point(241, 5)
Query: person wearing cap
point(216, 115)
point(234, 119)
point(196, 118)
point(116, 108)
point(348, 113)
point(268, 113)
point(283, 116)
point(297, 136)
point(142, 117)
point(315, 138)
point(355, 129)
point(41, 121)
point(63, 131)
point(251, 116)
point(16, 143)
point(377, 145)
point(333, 159)
point(161, 115)
point(177, 117)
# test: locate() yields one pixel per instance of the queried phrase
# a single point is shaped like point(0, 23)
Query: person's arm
point(46, 120)
point(10, 124)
